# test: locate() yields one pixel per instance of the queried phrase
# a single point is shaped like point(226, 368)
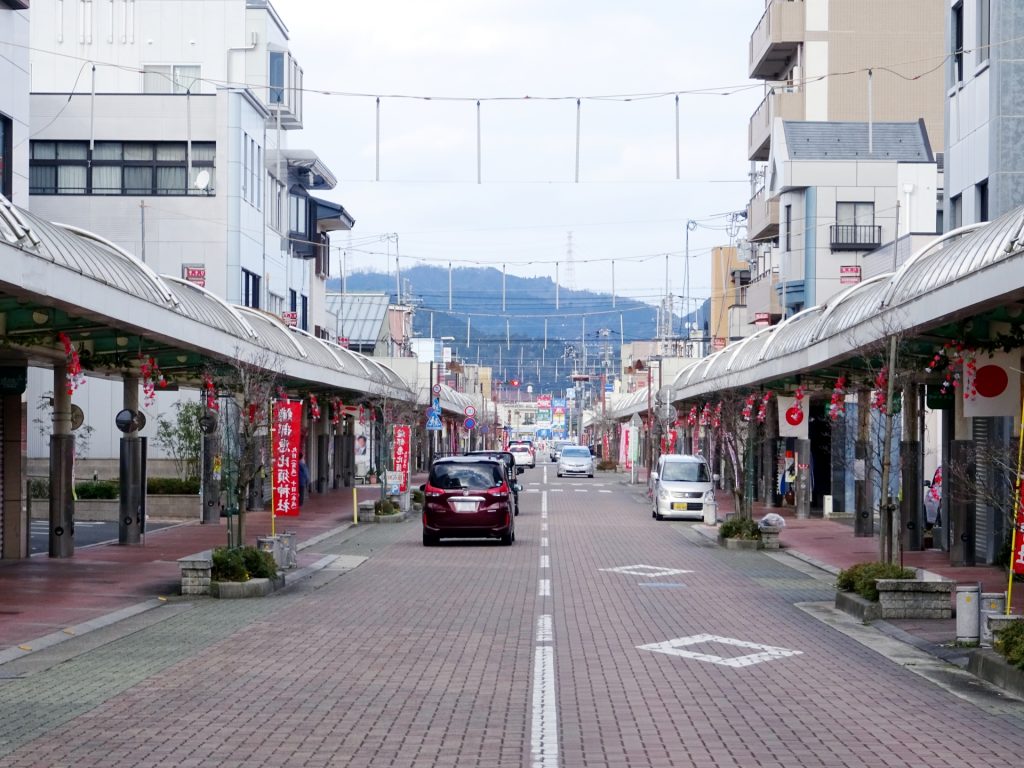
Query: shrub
point(172, 486)
point(605, 464)
point(39, 488)
point(98, 489)
point(259, 564)
point(739, 528)
point(417, 496)
point(385, 507)
point(1010, 643)
point(228, 565)
point(860, 578)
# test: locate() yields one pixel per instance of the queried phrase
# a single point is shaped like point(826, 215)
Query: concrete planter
point(770, 537)
point(857, 606)
point(236, 590)
point(913, 599)
point(158, 507)
point(397, 518)
point(740, 544)
point(993, 668)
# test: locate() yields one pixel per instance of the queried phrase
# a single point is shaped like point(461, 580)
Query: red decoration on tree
point(314, 408)
point(151, 377)
point(705, 415)
point(210, 393)
point(748, 407)
point(716, 418)
point(335, 410)
point(74, 376)
point(878, 395)
point(837, 408)
point(762, 410)
point(691, 419)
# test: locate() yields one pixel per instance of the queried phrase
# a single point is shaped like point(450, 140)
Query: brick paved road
point(443, 657)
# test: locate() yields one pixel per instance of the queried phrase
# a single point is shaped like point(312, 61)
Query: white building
point(14, 106)
point(839, 187)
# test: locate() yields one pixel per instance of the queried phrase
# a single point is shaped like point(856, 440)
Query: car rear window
point(685, 472)
point(575, 451)
point(451, 477)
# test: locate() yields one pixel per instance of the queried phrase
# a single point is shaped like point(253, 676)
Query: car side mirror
point(517, 487)
point(520, 470)
point(654, 475)
point(423, 487)
point(927, 483)
point(716, 477)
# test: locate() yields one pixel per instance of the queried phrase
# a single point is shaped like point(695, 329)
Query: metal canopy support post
point(211, 479)
point(62, 453)
point(132, 491)
point(911, 501)
point(13, 517)
point(864, 523)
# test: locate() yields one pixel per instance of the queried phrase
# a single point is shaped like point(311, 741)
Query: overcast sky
point(628, 203)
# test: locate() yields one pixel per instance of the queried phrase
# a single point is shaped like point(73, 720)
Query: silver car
point(684, 488)
point(575, 460)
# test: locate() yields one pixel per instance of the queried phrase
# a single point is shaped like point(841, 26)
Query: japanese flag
point(792, 420)
point(992, 388)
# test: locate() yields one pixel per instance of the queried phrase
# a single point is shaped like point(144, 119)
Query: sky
point(628, 208)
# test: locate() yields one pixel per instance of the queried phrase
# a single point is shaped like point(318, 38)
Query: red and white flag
point(792, 418)
point(992, 385)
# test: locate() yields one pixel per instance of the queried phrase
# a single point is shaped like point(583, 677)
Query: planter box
point(913, 599)
point(993, 668)
point(741, 544)
point(195, 573)
point(857, 606)
point(770, 537)
point(158, 507)
point(235, 590)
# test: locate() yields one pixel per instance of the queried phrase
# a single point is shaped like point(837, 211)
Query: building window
point(304, 316)
point(956, 217)
point(6, 180)
point(957, 39)
point(788, 223)
point(121, 168)
point(171, 78)
point(984, 29)
point(297, 213)
point(981, 200)
point(293, 301)
point(250, 289)
point(855, 228)
point(276, 81)
point(860, 214)
point(275, 199)
point(275, 304)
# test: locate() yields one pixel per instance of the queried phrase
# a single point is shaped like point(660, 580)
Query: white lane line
point(545, 561)
point(545, 630)
point(544, 541)
point(544, 588)
point(544, 504)
point(581, 490)
point(543, 526)
point(545, 475)
point(604, 491)
point(557, 490)
point(544, 733)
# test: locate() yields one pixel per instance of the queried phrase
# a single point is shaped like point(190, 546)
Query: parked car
point(684, 488)
point(933, 498)
point(576, 460)
point(524, 454)
point(511, 470)
point(468, 497)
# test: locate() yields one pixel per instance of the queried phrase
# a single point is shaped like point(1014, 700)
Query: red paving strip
point(43, 595)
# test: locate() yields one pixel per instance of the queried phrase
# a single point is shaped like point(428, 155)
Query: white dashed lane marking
point(545, 561)
point(544, 588)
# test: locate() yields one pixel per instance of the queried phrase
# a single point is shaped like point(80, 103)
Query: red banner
point(1018, 542)
point(400, 454)
point(285, 435)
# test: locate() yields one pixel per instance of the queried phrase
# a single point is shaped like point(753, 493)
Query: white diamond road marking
point(544, 541)
point(545, 630)
point(646, 571)
point(544, 588)
point(545, 561)
point(676, 648)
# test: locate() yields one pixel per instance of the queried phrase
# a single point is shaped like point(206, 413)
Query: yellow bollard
point(355, 506)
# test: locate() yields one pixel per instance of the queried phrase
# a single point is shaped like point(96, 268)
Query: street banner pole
point(1017, 537)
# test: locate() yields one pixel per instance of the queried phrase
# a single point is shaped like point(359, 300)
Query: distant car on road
point(524, 454)
point(684, 488)
point(468, 497)
point(576, 460)
point(556, 449)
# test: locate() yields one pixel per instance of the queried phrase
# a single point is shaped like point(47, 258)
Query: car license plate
point(682, 505)
point(464, 506)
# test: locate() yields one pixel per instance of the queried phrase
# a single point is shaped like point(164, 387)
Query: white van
point(684, 489)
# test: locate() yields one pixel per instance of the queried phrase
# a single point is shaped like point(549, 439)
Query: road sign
point(470, 411)
point(436, 389)
point(433, 421)
point(469, 423)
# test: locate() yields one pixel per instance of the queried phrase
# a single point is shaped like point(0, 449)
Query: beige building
point(803, 50)
point(729, 278)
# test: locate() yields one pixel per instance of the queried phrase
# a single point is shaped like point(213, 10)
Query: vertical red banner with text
point(1017, 560)
point(285, 434)
point(400, 454)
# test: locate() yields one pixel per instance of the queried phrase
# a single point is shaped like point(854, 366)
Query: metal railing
point(855, 237)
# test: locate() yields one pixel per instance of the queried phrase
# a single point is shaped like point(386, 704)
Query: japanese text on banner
point(286, 431)
point(400, 454)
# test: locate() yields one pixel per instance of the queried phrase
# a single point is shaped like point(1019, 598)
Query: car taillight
point(431, 491)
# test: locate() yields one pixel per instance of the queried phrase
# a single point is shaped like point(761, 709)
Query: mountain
point(512, 340)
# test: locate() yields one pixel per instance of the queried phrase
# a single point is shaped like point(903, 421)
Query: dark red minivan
point(468, 497)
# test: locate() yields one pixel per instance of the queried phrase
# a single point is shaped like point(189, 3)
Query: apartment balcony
point(763, 304)
point(780, 103)
point(855, 237)
point(776, 39)
point(762, 217)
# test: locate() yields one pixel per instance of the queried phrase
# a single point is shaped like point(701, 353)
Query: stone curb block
point(235, 590)
point(860, 608)
point(993, 668)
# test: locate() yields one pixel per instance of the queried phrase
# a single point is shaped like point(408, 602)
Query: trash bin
point(968, 613)
point(992, 604)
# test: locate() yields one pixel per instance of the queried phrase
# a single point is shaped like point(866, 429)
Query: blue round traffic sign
point(469, 423)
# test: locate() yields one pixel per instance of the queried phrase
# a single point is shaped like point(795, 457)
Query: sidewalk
point(42, 595)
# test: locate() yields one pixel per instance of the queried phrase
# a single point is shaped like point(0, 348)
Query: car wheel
point(591, 475)
point(508, 538)
point(559, 474)
point(657, 515)
point(429, 539)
